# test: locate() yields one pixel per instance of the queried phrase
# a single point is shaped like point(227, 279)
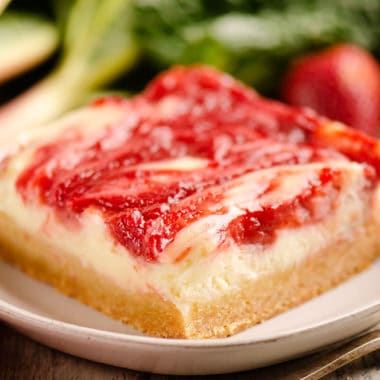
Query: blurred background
point(58, 54)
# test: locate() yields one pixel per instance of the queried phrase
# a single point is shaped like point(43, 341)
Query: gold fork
point(327, 362)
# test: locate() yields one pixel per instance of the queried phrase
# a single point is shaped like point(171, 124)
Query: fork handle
point(330, 361)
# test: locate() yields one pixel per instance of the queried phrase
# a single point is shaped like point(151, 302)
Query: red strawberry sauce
point(211, 117)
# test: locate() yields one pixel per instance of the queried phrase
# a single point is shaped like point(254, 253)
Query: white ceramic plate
point(62, 323)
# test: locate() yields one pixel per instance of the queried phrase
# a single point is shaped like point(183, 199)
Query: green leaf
point(97, 43)
point(25, 41)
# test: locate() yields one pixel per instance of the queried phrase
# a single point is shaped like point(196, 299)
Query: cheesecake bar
point(193, 210)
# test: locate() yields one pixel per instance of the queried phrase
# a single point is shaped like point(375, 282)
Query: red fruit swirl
point(211, 117)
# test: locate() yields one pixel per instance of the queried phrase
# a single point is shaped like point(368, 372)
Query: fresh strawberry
point(342, 83)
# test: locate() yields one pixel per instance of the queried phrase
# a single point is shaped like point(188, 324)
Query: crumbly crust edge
point(251, 303)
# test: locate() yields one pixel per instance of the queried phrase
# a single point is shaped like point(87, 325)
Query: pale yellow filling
point(207, 270)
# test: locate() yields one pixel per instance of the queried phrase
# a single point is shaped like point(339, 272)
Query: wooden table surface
point(21, 358)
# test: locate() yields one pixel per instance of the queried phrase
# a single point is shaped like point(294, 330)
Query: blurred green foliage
point(254, 40)
point(96, 46)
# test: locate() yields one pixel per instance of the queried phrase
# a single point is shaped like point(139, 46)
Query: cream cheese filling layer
point(206, 271)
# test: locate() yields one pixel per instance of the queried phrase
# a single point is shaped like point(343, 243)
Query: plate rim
point(21, 314)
